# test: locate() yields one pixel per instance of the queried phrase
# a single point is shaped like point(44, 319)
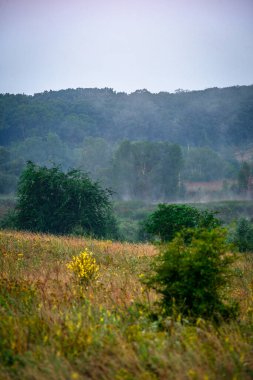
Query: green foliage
point(192, 273)
point(94, 156)
point(43, 150)
point(9, 168)
point(169, 219)
point(56, 202)
point(81, 128)
point(243, 235)
point(130, 216)
point(204, 164)
point(244, 177)
point(147, 170)
point(197, 118)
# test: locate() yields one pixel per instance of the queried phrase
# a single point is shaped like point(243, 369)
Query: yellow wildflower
point(84, 266)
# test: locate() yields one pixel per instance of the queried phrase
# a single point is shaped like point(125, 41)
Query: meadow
point(54, 327)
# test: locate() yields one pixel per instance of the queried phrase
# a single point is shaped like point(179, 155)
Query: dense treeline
point(213, 117)
point(142, 145)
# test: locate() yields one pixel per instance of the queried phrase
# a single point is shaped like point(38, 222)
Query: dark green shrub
point(192, 277)
point(56, 202)
point(243, 236)
point(169, 219)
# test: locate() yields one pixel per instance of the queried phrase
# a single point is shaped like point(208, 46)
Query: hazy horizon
point(122, 91)
point(125, 45)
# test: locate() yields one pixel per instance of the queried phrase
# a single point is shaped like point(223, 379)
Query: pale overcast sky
point(160, 45)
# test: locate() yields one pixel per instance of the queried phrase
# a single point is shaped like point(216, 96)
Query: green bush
point(243, 236)
point(191, 274)
point(56, 202)
point(168, 220)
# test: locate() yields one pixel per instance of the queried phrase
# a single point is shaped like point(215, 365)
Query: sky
point(159, 45)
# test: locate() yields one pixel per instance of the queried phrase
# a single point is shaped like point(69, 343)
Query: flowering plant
point(84, 266)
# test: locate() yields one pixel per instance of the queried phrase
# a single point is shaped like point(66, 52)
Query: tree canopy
point(50, 200)
point(169, 219)
point(213, 117)
point(88, 129)
point(147, 170)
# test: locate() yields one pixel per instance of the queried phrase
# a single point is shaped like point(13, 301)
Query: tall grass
point(53, 327)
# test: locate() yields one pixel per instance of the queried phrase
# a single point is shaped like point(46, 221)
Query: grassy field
point(51, 327)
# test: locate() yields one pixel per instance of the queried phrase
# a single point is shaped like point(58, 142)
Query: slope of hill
point(213, 117)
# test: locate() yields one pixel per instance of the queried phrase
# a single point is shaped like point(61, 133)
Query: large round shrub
point(50, 200)
point(169, 219)
point(192, 274)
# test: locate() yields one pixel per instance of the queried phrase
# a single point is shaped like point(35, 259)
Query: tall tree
point(147, 170)
point(244, 177)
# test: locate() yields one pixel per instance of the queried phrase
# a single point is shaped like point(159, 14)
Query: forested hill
point(213, 117)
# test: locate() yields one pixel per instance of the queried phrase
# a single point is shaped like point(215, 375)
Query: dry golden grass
point(51, 327)
point(41, 260)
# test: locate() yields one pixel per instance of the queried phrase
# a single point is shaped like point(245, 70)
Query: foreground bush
point(192, 273)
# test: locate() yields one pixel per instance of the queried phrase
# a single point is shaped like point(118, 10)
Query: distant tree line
point(142, 145)
point(213, 117)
